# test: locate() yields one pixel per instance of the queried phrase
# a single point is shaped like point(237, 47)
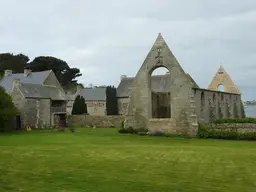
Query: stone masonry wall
point(37, 113)
point(98, 121)
point(122, 105)
point(212, 105)
point(97, 108)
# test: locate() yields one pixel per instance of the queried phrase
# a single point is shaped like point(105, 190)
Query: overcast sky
point(106, 39)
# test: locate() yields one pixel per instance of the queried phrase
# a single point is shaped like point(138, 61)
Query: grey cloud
point(108, 38)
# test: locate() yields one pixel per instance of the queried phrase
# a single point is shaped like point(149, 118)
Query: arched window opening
point(221, 88)
point(160, 93)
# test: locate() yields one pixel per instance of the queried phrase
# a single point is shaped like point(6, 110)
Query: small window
point(220, 73)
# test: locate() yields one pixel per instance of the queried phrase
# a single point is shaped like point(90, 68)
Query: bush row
point(143, 132)
point(235, 120)
point(206, 131)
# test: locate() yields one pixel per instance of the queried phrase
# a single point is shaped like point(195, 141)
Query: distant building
point(95, 99)
point(39, 97)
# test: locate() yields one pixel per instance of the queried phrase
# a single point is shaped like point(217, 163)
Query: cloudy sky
point(106, 39)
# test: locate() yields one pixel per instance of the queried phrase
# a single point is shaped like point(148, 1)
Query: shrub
point(122, 124)
point(206, 131)
point(7, 111)
point(60, 129)
point(235, 120)
point(157, 133)
point(131, 130)
point(142, 133)
point(72, 129)
point(122, 130)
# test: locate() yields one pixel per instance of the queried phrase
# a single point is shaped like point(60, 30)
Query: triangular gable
point(139, 110)
point(223, 78)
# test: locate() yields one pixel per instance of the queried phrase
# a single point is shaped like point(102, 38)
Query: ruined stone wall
point(122, 105)
point(37, 113)
point(98, 121)
point(97, 108)
point(212, 105)
point(183, 115)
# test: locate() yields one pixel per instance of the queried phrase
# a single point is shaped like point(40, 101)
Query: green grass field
point(102, 160)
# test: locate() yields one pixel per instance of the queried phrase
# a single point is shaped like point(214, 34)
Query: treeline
point(17, 63)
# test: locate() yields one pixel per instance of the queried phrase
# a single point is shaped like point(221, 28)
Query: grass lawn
point(102, 160)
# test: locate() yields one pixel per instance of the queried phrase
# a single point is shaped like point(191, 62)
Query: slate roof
point(70, 97)
point(41, 91)
point(93, 94)
point(160, 83)
point(32, 78)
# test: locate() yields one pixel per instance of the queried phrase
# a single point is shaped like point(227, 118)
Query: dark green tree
point(111, 101)
point(63, 72)
point(79, 106)
point(7, 111)
point(16, 63)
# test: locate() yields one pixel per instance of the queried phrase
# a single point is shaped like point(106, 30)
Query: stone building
point(70, 98)
point(95, 99)
point(222, 78)
point(38, 96)
point(172, 103)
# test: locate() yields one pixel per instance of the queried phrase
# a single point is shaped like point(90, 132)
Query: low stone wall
point(97, 121)
point(241, 127)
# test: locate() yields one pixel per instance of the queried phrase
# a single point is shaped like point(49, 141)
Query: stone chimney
point(7, 72)
point(16, 82)
point(122, 77)
point(27, 72)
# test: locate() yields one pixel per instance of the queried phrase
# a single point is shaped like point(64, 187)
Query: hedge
point(235, 120)
point(206, 131)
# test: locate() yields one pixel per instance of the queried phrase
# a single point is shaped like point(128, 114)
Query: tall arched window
point(160, 93)
point(221, 88)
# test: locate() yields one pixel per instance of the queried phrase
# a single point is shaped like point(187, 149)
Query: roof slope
point(93, 94)
point(41, 91)
point(32, 78)
point(159, 83)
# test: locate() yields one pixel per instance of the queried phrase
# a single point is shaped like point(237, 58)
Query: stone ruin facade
point(222, 78)
point(179, 108)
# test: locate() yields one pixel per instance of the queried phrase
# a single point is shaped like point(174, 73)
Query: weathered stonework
point(122, 105)
point(189, 104)
point(139, 111)
point(37, 113)
point(38, 103)
point(97, 108)
point(212, 105)
point(98, 121)
point(222, 78)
